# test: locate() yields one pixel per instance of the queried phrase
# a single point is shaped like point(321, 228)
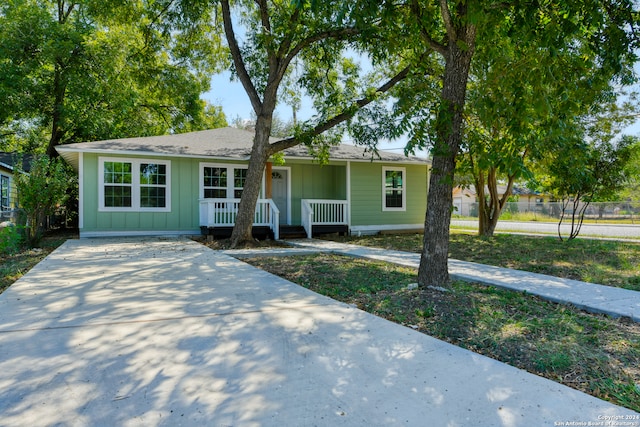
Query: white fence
point(323, 212)
point(223, 213)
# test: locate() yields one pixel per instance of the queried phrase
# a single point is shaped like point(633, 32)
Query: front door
point(280, 193)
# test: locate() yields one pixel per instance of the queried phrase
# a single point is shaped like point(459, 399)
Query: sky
point(230, 95)
point(235, 103)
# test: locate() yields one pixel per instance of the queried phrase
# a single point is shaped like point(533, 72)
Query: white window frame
point(385, 169)
point(231, 188)
point(8, 179)
point(135, 185)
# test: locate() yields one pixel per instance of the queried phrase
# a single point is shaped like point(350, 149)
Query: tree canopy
point(471, 37)
point(267, 41)
point(89, 70)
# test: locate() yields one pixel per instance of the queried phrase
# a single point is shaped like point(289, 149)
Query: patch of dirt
point(223, 244)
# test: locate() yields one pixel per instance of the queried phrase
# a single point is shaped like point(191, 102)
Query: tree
point(88, 70)
point(519, 110)
point(455, 30)
point(41, 191)
point(281, 36)
point(587, 171)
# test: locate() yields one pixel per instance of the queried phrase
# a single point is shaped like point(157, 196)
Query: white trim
point(288, 169)
point(384, 189)
point(230, 177)
point(81, 192)
point(135, 185)
point(9, 179)
point(61, 149)
point(373, 229)
point(349, 194)
point(138, 233)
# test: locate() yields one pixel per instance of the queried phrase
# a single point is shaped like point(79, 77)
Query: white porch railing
point(323, 212)
point(223, 212)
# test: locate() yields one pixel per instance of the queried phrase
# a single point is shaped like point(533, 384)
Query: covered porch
point(319, 216)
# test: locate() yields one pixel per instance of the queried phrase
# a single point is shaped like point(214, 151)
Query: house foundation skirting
point(138, 233)
point(375, 229)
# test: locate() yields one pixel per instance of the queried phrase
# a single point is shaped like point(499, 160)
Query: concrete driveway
point(165, 332)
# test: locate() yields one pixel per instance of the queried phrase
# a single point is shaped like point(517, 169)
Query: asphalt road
point(631, 231)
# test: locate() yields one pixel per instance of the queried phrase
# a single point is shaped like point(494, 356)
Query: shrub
point(10, 240)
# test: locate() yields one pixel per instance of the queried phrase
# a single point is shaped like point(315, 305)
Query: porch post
point(268, 180)
point(349, 196)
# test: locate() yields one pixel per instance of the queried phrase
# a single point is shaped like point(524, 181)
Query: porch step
point(260, 233)
point(292, 232)
point(298, 231)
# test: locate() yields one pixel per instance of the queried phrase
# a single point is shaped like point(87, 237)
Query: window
point(117, 184)
point(239, 178)
point(393, 189)
point(134, 185)
point(222, 181)
point(215, 183)
point(4, 192)
point(153, 185)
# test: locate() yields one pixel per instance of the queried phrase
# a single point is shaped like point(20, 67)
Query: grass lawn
point(13, 266)
point(606, 262)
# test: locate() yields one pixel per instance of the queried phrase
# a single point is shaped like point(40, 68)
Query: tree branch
point(283, 144)
point(243, 75)
point(448, 23)
point(264, 15)
point(336, 34)
point(438, 47)
point(286, 43)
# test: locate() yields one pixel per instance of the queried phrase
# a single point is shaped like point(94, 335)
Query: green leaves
point(95, 70)
point(42, 190)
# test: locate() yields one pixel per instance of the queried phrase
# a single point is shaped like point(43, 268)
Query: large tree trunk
point(434, 268)
point(242, 231)
point(57, 132)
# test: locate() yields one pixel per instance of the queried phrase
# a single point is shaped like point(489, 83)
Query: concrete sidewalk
point(166, 332)
point(616, 302)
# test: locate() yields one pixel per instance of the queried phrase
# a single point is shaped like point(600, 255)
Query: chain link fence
point(628, 212)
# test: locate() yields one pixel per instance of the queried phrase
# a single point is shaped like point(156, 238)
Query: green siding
point(308, 181)
point(313, 181)
point(184, 201)
point(366, 195)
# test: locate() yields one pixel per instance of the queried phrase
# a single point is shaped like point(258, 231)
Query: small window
point(134, 185)
point(222, 181)
point(239, 178)
point(394, 189)
point(4, 192)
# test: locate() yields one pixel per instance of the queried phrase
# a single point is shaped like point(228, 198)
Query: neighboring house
point(465, 199)
point(9, 164)
point(192, 182)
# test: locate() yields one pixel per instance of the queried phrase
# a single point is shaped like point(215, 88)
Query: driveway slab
point(166, 332)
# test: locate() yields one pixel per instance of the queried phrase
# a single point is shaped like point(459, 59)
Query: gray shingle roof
point(222, 143)
point(11, 160)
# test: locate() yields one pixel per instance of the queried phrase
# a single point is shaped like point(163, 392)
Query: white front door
point(280, 192)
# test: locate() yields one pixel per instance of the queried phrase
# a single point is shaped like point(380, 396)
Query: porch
point(217, 217)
